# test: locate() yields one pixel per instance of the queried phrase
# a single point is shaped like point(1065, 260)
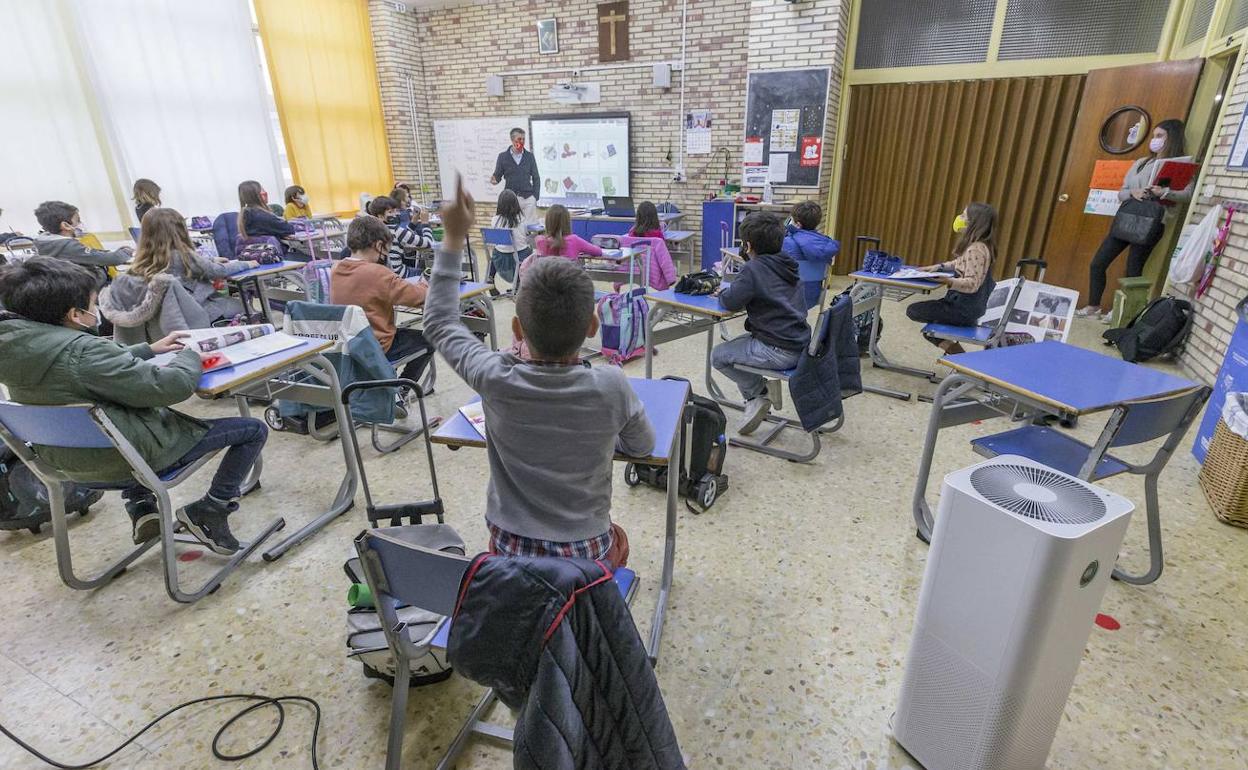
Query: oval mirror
point(1125, 129)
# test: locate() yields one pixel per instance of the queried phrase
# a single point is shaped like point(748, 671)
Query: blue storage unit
point(1232, 378)
point(720, 218)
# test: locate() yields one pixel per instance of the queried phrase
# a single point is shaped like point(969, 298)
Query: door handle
point(1063, 198)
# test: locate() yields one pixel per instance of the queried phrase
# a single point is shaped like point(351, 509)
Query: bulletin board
point(785, 114)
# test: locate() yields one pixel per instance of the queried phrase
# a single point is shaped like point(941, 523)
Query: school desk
point(1027, 381)
point(689, 314)
point(665, 402)
point(614, 267)
point(868, 295)
point(468, 290)
point(322, 243)
point(680, 242)
point(269, 377)
point(260, 279)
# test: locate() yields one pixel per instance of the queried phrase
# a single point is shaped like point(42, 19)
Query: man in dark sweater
point(768, 288)
point(517, 168)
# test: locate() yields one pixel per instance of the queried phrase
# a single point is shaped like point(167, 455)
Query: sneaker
point(756, 410)
point(208, 520)
point(144, 519)
point(1106, 317)
point(1087, 311)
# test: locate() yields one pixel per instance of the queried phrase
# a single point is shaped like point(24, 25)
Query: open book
point(474, 413)
point(233, 345)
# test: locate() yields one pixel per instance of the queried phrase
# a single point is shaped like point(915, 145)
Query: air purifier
point(1019, 562)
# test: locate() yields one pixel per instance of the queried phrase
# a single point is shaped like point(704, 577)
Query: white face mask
point(94, 327)
point(1156, 144)
point(302, 199)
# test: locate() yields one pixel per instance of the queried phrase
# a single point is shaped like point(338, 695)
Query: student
point(554, 424)
point(363, 279)
point(558, 240)
point(647, 223)
point(61, 228)
point(1165, 144)
point(509, 216)
point(409, 240)
point(768, 289)
point(52, 356)
point(255, 218)
point(297, 203)
point(813, 250)
point(146, 197)
point(971, 283)
point(166, 254)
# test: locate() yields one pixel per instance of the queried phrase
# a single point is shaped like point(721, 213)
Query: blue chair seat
point(1051, 447)
point(979, 334)
point(625, 579)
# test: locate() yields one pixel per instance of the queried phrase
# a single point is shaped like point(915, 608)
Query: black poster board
point(803, 90)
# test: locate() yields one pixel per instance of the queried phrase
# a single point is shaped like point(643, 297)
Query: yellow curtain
point(320, 57)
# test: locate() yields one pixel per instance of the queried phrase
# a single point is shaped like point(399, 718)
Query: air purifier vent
point(1038, 493)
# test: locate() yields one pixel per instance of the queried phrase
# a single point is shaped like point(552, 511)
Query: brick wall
point(449, 51)
point(1215, 311)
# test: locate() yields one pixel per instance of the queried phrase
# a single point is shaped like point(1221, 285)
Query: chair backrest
point(409, 573)
point(998, 327)
point(1142, 421)
point(134, 233)
point(69, 427)
point(20, 248)
point(496, 236)
point(224, 233)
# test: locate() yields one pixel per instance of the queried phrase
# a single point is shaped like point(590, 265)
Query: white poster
point(752, 154)
point(1102, 202)
point(1043, 311)
point(778, 163)
point(698, 132)
point(755, 176)
point(784, 130)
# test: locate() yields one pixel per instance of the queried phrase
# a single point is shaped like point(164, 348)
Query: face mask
point(302, 199)
point(959, 223)
point(94, 328)
point(393, 219)
point(1156, 144)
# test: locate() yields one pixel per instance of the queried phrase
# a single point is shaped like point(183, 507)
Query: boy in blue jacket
point(813, 250)
point(769, 290)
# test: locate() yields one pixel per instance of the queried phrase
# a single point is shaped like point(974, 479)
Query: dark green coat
point(44, 364)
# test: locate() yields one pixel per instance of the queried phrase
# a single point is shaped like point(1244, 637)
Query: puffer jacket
point(813, 251)
point(555, 640)
point(46, 364)
point(145, 311)
point(821, 381)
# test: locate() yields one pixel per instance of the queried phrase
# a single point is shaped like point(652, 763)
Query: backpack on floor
point(24, 499)
point(1157, 330)
point(622, 318)
point(703, 448)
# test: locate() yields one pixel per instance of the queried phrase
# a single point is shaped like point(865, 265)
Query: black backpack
point(704, 282)
point(24, 499)
point(1158, 330)
point(703, 446)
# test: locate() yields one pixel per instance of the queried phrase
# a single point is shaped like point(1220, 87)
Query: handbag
point(1139, 222)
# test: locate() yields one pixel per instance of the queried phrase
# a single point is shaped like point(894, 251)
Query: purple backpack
point(264, 249)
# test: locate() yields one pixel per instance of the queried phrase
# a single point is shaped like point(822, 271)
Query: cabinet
point(720, 219)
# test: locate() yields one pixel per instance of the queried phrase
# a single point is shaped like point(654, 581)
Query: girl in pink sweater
point(559, 240)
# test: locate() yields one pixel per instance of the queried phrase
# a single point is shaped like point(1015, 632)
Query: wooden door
point(1164, 90)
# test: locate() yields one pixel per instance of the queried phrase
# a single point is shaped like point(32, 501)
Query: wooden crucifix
point(613, 31)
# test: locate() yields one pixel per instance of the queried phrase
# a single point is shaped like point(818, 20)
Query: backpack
point(201, 223)
point(704, 282)
point(24, 499)
point(1157, 330)
point(703, 447)
point(622, 318)
point(316, 278)
point(261, 251)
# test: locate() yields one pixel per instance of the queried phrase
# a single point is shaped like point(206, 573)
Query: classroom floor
point(786, 634)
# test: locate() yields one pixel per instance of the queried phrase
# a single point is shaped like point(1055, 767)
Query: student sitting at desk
point(363, 279)
point(297, 203)
point(813, 250)
point(62, 227)
point(769, 290)
point(52, 356)
point(971, 281)
point(558, 241)
point(254, 216)
point(646, 225)
point(509, 216)
point(554, 424)
point(142, 303)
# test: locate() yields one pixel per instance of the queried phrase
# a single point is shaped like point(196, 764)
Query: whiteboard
point(471, 146)
point(585, 154)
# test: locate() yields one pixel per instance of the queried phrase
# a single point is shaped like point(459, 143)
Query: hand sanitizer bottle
point(767, 195)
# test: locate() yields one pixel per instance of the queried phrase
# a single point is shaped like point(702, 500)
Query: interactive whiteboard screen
point(581, 155)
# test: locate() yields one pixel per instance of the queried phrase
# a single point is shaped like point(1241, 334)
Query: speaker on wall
point(663, 75)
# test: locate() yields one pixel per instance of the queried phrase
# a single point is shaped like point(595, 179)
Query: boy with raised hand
point(554, 424)
point(52, 356)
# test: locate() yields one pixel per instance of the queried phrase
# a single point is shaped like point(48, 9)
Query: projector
point(568, 92)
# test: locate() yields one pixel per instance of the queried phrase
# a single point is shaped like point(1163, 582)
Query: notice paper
point(1108, 174)
point(698, 132)
point(778, 164)
point(752, 154)
point(755, 176)
point(812, 150)
point(1102, 202)
point(784, 130)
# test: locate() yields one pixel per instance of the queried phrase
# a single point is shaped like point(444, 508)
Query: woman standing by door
point(1165, 144)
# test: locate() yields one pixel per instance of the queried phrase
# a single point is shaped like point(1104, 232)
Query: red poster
point(812, 150)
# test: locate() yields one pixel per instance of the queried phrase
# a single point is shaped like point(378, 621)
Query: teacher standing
point(517, 168)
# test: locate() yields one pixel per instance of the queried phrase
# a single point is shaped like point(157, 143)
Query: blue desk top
point(1062, 375)
point(918, 284)
point(706, 304)
point(229, 378)
point(664, 401)
point(263, 270)
point(677, 235)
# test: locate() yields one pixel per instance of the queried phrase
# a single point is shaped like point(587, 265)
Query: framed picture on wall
point(547, 36)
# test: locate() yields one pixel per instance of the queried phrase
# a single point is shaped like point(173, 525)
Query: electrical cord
point(261, 701)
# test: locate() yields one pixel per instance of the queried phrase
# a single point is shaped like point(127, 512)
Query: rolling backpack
point(316, 278)
point(622, 317)
point(703, 447)
point(1157, 330)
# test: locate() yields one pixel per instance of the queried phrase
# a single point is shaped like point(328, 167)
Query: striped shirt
point(407, 242)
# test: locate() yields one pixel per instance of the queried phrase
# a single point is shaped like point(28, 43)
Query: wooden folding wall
point(917, 153)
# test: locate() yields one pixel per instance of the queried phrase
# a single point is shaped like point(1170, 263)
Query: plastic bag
point(1189, 259)
point(1235, 413)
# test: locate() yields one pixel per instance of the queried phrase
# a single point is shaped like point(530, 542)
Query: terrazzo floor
point(786, 635)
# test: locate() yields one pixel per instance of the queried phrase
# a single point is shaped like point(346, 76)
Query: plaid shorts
point(507, 544)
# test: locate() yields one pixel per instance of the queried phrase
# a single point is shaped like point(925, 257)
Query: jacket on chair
point(555, 640)
point(821, 381)
point(145, 311)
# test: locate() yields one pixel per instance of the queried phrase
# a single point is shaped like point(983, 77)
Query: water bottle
point(767, 195)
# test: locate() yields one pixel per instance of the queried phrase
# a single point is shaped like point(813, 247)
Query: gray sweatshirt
point(72, 250)
point(1140, 176)
point(552, 429)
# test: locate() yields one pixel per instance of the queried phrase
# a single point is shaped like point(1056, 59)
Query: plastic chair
point(984, 335)
point(225, 232)
point(403, 566)
point(83, 426)
point(1132, 423)
point(19, 249)
point(134, 233)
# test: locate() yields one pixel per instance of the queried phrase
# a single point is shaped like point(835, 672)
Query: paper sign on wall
point(784, 130)
point(752, 154)
point(698, 132)
point(755, 176)
point(812, 150)
point(1102, 202)
point(779, 165)
point(1108, 174)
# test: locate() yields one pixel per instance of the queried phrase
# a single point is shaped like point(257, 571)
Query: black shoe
point(144, 519)
point(208, 520)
